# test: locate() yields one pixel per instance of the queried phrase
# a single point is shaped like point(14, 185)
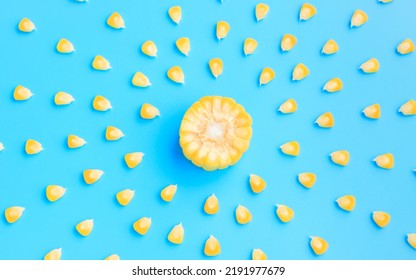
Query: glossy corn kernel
point(74, 141)
point(1, 147)
point(318, 245)
point(333, 85)
point(100, 103)
point(149, 48)
point(307, 179)
point(63, 98)
point(382, 219)
point(289, 106)
point(175, 14)
point(85, 227)
point(26, 25)
point(53, 255)
point(14, 213)
point(168, 192)
point(372, 111)
point(242, 215)
point(142, 225)
point(65, 46)
point(405, 47)
point(176, 234)
point(113, 257)
point(212, 247)
point(358, 18)
point(133, 159)
point(291, 148)
point(176, 75)
point(91, 176)
point(113, 133)
point(346, 202)
point(216, 67)
point(140, 80)
point(307, 11)
point(288, 42)
point(300, 72)
point(33, 147)
point(250, 46)
point(54, 192)
point(115, 21)
point(330, 47)
point(184, 45)
point(222, 29)
point(21, 93)
point(326, 120)
point(211, 205)
point(341, 157)
point(408, 108)
point(258, 255)
point(257, 184)
point(284, 213)
point(100, 63)
point(266, 76)
point(385, 1)
point(125, 196)
point(149, 111)
point(261, 11)
point(411, 239)
point(385, 161)
point(370, 66)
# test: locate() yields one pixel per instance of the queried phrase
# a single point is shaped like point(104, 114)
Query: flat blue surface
point(31, 60)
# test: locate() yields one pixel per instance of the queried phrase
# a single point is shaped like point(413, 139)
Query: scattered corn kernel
point(250, 46)
point(100, 63)
point(372, 111)
point(408, 108)
point(318, 245)
point(341, 157)
point(382, 219)
point(1, 147)
point(257, 183)
point(333, 85)
point(406, 46)
point(242, 215)
point(307, 179)
point(288, 42)
point(149, 48)
point(100, 103)
point(142, 225)
point(261, 11)
point(307, 11)
point(330, 47)
point(284, 213)
point(346, 202)
point(149, 111)
point(63, 98)
point(212, 247)
point(113, 257)
point(370, 66)
point(385, 161)
point(175, 14)
point(14, 213)
point(258, 255)
point(358, 18)
point(289, 106)
point(92, 175)
point(175, 236)
point(411, 239)
point(26, 25)
point(85, 227)
point(184, 45)
point(291, 148)
point(133, 159)
point(125, 196)
point(168, 192)
point(115, 21)
point(21, 93)
point(65, 46)
point(113, 133)
point(211, 205)
point(54, 192)
point(140, 80)
point(266, 76)
point(385, 1)
point(222, 29)
point(33, 147)
point(300, 72)
point(74, 141)
point(325, 120)
point(53, 255)
point(176, 75)
point(216, 67)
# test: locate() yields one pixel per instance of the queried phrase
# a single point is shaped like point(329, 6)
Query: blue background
point(31, 60)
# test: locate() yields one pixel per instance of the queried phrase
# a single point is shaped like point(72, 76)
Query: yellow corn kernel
point(168, 192)
point(100, 103)
point(333, 85)
point(370, 66)
point(266, 76)
point(307, 179)
point(92, 175)
point(133, 159)
point(307, 11)
point(176, 75)
point(63, 98)
point(222, 29)
point(341, 157)
point(261, 11)
point(346, 202)
point(288, 42)
point(26, 25)
point(113, 133)
point(54, 192)
point(175, 14)
point(406, 46)
point(149, 111)
point(358, 18)
point(100, 63)
point(142, 225)
point(300, 72)
point(372, 111)
point(289, 106)
point(53, 255)
point(258, 255)
point(149, 48)
point(330, 47)
point(85, 227)
point(74, 141)
point(257, 183)
point(65, 46)
point(14, 213)
point(140, 80)
point(21, 93)
point(382, 219)
point(250, 46)
point(284, 213)
point(176, 234)
point(291, 148)
point(212, 247)
point(318, 245)
point(115, 21)
point(385, 1)
point(408, 108)
point(184, 45)
point(325, 120)
point(1, 147)
point(242, 215)
point(216, 67)
point(125, 196)
point(385, 161)
point(411, 239)
point(211, 205)
point(113, 257)
point(33, 147)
